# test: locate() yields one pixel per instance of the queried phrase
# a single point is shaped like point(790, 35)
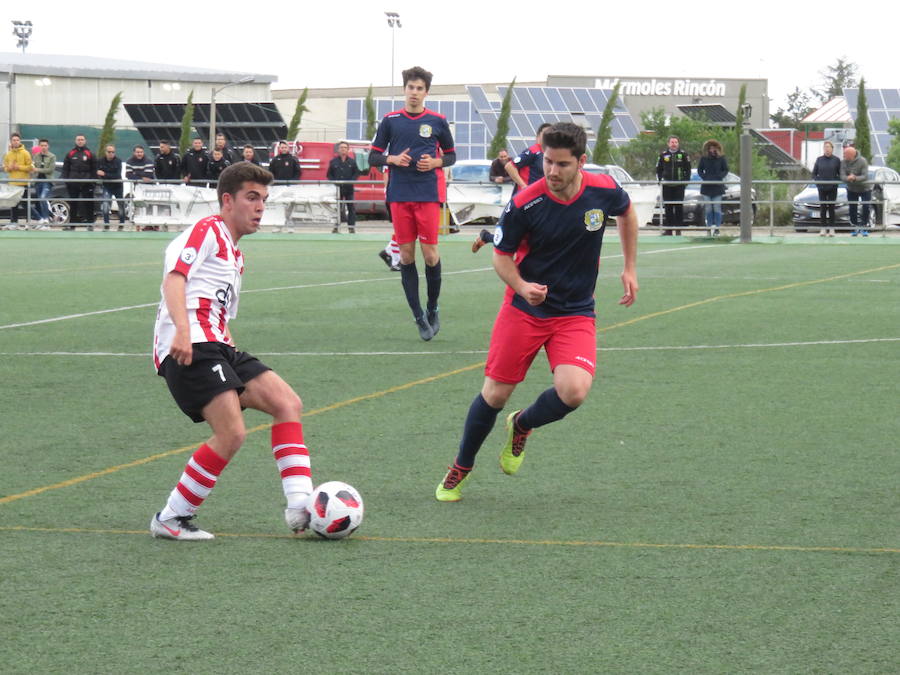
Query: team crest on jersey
point(189, 255)
point(498, 235)
point(667, 158)
point(425, 130)
point(593, 220)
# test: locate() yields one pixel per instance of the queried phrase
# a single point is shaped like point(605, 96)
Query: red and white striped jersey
point(206, 255)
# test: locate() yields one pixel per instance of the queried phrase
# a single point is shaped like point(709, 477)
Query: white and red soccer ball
point(335, 509)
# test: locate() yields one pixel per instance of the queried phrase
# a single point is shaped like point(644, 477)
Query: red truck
point(314, 157)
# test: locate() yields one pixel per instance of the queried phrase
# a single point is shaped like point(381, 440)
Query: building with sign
point(473, 109)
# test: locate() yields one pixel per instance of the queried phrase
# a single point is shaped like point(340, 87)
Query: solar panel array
point(884, 105)
point(475, 121)
point(259, 124)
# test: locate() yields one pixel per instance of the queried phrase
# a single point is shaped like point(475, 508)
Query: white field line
point(298, 287)
point(481, 352)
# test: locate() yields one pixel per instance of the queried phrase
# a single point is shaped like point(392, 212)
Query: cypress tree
point(863, 132)
point(498, 143)
point(602, 152)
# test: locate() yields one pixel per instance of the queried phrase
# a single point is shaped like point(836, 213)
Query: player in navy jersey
point(209, 379)
point(547, 251)
point(416, 143)
point(528, 166)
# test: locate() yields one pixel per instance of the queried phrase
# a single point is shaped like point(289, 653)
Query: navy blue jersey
point(423, 134)
point(558, 243)
point(530, 165)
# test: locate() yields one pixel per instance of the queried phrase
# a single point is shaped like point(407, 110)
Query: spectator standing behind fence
point(17, 163)
point(498, 168)
point(44, 167)
point(139, 168)
point(855, 172)
point(674, 165)
point(229, 153)
point(168, 164)
point(217, 164)
point(195, 164)
point(713, 167)
point(78, 165)
point(109, 170)
point(248, 154)
point(284, 166)
point(343, 167)
point(827, 167)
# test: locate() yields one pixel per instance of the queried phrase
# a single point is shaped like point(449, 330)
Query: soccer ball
point(335, 509)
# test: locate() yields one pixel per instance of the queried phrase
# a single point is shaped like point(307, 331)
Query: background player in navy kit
point(547, 250)
point(528, 166)
point(209, 379)
point(413, 139)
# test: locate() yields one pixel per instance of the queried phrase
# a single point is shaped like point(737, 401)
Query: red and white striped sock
point(197, 481)
point(393, 248)
point(292, 459)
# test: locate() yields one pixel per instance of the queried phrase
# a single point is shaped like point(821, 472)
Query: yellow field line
point(433, 378)
point(261, 427)
point(514, 542)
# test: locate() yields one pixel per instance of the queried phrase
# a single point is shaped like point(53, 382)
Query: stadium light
point(212, 107)
point(22, 30)
point(393, 20)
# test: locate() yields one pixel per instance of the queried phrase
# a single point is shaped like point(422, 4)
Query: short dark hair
point(138, 146)
point(44, 140)
point(568, 136)
point(166, 141)
point(248, 145)
point(541, 128)
point(417, 73)
point(232, 179)
point(15, 134)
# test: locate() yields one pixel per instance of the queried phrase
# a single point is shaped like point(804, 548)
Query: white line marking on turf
point(475, 352)
point(298, 287)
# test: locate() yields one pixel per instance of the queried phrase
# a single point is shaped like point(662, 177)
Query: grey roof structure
point(96, 67)
point(714, 114)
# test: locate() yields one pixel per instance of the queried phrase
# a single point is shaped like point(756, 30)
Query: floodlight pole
point(212, 107)
point(746, 178)
point(393, 20)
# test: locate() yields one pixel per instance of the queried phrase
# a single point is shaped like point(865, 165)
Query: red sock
point(197, 481)
point(292, 459)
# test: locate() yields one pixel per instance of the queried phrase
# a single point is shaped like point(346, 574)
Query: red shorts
point(517, 337)
point(415, 220)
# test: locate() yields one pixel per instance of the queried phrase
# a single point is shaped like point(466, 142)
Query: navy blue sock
point(433, 279)
point(548, 407)
point(479, 423)
point(409, 277)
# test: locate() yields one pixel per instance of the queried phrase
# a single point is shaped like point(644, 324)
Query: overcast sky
point(348, 43)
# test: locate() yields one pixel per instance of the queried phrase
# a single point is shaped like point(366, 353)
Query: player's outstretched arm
point(627, 225)
point(176, 302)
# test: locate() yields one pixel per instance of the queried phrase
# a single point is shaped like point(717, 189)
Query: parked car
point(622, 177)
point(694, 213)
point(885, 193)
point(471, 196)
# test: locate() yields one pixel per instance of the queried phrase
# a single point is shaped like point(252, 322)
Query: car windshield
point(471, 173)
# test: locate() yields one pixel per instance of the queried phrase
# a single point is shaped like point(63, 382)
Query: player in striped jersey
point(209, 379)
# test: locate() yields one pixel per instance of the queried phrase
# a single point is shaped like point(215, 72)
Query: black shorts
point(215, 368)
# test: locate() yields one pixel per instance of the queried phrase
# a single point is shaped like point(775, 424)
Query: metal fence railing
point(776, 204)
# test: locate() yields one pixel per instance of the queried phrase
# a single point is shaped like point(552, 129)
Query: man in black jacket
point(284, 166)
point(217, 165)
point(168, 163)
point(673, 165)
point(109, 170)
point(195, 164)
point(827, 167)
point(344, 168)
point(80, 164)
